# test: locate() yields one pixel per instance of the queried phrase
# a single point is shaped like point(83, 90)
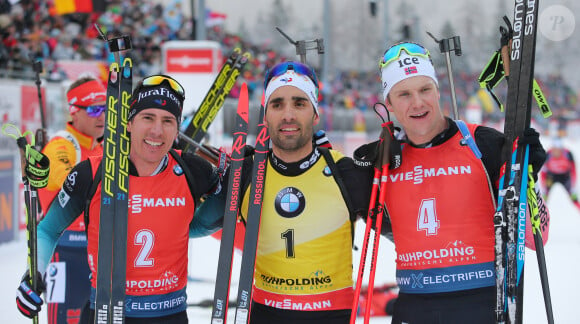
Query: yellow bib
point(305, 239)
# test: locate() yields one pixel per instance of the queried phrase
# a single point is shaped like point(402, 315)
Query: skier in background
point(383, 303)
point(560, 168)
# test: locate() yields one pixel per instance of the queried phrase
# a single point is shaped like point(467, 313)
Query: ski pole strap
point(541, 100)
point(338, 179)
point(493, 73)
point(36, 166)
point(533, 203)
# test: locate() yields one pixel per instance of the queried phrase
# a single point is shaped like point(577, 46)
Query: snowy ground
point(562, 257)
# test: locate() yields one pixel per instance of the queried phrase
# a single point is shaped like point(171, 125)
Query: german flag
point(63, 7)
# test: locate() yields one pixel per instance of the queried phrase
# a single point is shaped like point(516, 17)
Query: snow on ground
point(562, 258)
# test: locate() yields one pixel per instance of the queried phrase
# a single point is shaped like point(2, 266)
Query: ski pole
point(539, 245)
point(304, 45)
point(366, 239)
point(40, 136)
point(383, 158)
point(445, 47)
point(382, 164)
point(209, 153)
point(35, 169)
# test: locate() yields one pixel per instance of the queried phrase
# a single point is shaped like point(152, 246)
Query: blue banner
point(8, 207)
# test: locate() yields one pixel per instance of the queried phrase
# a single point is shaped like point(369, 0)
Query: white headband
point(291, 78)
point(405, 67)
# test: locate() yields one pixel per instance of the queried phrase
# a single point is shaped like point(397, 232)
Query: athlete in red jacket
point(441, 200)
point(560, 168)
point(161, 214)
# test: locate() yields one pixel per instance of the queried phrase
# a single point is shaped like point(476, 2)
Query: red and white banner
point(189, 60)
point(195, 65)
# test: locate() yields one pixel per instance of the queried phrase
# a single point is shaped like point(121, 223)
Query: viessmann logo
point(137, 202)
point(420, 173)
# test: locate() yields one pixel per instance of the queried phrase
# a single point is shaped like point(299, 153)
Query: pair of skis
point(516, 180)
point(197, 126)
point(112, 248)
point(234, 196)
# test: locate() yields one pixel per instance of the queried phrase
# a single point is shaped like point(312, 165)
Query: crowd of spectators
point(29, 32)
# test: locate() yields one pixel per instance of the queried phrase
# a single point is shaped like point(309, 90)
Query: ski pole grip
point(118, 44)
point(457, 45)
point(505, 57)
point(22, 142)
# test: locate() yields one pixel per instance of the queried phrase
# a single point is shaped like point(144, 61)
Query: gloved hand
point(537, 155)
point(386, 227)
point(320, 139)
point(249, 150)
point(366, 154)
point(29, 301)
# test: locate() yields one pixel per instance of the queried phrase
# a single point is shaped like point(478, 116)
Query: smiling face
point(290, 119)
point(153, 132)
point(415, 103)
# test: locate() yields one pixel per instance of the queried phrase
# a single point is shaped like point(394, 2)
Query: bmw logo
point(290, 202)
point(52, 270)
point(326, 171)
point(177, 170)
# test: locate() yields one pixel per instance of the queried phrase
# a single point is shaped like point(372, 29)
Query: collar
point(85, 141)
point(295, 168)
point(439, 139)
point(160, 168)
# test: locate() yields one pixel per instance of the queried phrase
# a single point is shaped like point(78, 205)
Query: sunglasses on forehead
point(394, 52)
point(94, 110)
point(155, 80)
point(297, 67)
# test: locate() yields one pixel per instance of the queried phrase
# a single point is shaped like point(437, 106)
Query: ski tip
point(244, 90)
point(243, 102)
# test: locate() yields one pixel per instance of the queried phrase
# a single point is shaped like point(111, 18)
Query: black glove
point(386, 226)
point(29, 301)
point(537, 155)
point(320, 139)
point(249, 150)
point(366, 155)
